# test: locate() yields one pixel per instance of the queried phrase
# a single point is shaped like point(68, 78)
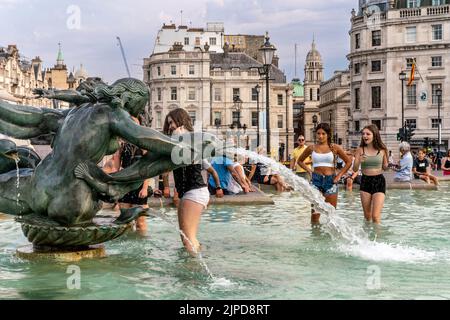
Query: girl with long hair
point(191, 188)
point(373, 156)
point(323, 175)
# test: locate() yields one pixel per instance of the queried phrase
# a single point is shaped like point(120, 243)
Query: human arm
point(348, 163)
point(252, 172)
point(385, 161)
point(219, 191)
point(444, 161)
point(357, 162)
point(300, 161)
point(236, 176)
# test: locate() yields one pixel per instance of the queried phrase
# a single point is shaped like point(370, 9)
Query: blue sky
point(37, 26)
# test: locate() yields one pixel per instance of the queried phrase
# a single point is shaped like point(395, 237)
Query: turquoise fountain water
point(268, 252)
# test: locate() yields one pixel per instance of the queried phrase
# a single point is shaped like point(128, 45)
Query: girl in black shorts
point(372, 155)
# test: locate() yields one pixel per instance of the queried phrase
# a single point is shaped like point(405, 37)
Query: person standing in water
point(189, 183)
point(372, 155)
point(323, 174)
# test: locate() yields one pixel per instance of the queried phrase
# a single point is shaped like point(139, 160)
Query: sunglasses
point(300, 140)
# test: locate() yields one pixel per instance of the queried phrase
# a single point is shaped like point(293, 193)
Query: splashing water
point(216, 282)
point(17, 160)
point(356, 241)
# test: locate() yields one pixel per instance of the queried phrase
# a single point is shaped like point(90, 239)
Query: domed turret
point(313, 54)
point(81, 73)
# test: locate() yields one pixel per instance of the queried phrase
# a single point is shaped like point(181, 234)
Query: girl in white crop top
point(324, 176)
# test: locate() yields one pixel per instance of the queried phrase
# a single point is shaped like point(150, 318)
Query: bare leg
point(189, 214)
point(366, 201)
point(377, 206)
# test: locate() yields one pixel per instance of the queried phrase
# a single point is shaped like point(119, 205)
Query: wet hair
point(325, 127)
point(181, 118)
point(119, 92)
point(377, 142)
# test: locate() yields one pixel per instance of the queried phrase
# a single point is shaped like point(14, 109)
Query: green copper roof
point(60, 55)
point(299, 90)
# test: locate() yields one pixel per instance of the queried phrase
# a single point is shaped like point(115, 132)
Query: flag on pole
point(413, 73)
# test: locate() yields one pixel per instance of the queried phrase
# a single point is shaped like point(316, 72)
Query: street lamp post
point(258, 90)
point(314, 120)
point(439, 96)
point(402, 77)
point(268, 51)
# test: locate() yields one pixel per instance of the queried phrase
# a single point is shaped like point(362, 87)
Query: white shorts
point(200, 196)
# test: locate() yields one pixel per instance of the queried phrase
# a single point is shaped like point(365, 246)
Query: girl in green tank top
point(372, 156)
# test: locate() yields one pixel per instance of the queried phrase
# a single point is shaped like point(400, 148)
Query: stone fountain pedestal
point(50, 241)
point(29, 252)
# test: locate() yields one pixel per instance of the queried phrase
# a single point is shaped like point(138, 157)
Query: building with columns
point(386, 37)
point(219, 90)
point(313, 79)
point(334, 105)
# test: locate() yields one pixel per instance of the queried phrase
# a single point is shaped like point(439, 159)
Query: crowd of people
point(324, 164)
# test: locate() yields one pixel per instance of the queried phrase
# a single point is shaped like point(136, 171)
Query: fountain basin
point(44, 233)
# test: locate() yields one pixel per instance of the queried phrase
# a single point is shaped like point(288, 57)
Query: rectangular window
point(159, 70)
point(149, 74)
point(434, 88)
point(409, 62)
point(376, 38)
point(411, 94)
point(280, 121)
point(436, 61)
point(437, 32)
point(254, 119)
point(357, 126)
point(236, 117)
point(280, 99)
point(236, 93)
point(376, 97)
point(376, 65)
point(217, 94)
point(357, 98)
point(197, 41)
point(413, 3)
point(159, 94)
point(191, 69)
point(173, 94)
point(437, 2)
point(357, 68)
point(173, 70)
point(193, 116)
point(411, 123)
point(357, 41)
point(191, 93)
point(158, 119)
point(212, 41)
point(377, 123)
point(254, 94)
point(186, 41)
point(435, 123)
point(217, 118)
point(411, 34)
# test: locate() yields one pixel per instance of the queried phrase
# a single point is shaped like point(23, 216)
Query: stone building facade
point(386, 37)
point(334, 105)
point(18, 77)
point(218, 90)
point(313, 79)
